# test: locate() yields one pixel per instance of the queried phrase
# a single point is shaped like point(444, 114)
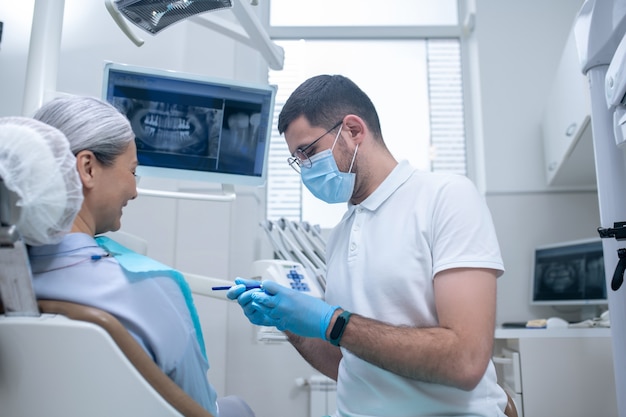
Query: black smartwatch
point(339, 327)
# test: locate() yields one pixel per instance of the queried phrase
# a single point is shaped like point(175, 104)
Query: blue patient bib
point(138, 267)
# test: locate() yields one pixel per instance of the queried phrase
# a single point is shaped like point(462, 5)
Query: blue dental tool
point(228, 287)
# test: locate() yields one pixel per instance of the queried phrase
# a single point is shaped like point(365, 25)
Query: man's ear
point(86, 167)
point(357, 128)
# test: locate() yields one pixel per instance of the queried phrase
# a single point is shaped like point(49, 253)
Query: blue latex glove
point(244, 298)
point(284, 308)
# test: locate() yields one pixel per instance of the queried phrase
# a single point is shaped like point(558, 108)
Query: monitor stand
point(227, 194)
point(590, 312)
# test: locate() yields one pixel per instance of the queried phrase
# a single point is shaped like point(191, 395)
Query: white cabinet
point(566, 125)
point(557, 372)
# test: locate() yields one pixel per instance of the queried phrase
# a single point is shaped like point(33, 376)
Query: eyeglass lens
point(300, 158)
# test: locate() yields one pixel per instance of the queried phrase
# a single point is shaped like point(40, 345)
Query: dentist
point(407, 325)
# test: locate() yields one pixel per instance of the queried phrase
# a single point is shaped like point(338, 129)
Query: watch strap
point(339, 327)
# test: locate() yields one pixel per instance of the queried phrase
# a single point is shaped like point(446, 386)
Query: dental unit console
point(287, 273)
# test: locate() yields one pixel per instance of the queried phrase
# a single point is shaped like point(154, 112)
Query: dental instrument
point(228, 287)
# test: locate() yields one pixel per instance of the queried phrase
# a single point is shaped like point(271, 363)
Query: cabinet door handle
point(571, 129)
point(502, 360)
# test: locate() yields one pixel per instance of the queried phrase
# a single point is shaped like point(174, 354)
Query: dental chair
point(511, 409)
point(75, 360)
point(58, 358)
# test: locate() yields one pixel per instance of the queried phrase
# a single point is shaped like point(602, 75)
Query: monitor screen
point(569, 273)
point(191, 127)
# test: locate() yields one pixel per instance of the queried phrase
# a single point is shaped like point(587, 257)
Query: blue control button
point(296, 281)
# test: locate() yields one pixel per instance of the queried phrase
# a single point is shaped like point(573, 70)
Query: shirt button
point(352, 246)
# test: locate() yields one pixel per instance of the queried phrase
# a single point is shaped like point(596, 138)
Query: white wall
point(519, 48)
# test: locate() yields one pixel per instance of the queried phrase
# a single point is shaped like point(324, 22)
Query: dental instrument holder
point(615, 92)
point(16, 287)
point(599, 28)
point(615, 95)
point(618, 231)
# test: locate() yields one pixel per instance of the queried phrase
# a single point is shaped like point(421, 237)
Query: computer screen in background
point(569, 274)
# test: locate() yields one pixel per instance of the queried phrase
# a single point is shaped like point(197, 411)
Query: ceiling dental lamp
point(155, 15)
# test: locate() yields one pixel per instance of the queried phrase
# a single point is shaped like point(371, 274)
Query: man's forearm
point(320, 354)
point(434, 354)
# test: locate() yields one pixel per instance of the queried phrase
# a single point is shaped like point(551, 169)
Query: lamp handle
point(121, 23)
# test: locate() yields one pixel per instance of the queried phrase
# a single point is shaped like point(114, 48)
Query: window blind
point(445, 95)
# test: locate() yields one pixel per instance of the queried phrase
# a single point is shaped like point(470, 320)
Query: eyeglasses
point(300, 158)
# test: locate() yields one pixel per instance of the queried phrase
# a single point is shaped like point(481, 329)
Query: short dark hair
point(326, 99)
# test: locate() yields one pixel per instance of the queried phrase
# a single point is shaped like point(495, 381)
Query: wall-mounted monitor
point(192, 127)
point(569, 273)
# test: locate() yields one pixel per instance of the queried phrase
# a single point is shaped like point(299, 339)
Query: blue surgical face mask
point(325, 181)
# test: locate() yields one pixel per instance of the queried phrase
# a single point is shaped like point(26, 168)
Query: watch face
point(336, 331)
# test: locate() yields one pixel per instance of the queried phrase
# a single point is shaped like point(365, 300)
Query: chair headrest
point(38, 169)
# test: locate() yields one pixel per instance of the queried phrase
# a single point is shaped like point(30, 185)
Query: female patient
point(154, 310)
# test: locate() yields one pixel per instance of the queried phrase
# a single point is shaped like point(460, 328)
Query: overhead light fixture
point(155, 15)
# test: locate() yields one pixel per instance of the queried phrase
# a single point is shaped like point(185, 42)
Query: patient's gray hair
point(89, 124)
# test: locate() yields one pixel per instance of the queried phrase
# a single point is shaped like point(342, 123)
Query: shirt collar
point(398, 176)
point(73, 246)
point(69, 243)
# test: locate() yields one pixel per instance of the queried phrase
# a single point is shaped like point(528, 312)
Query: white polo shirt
point(381, 261)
